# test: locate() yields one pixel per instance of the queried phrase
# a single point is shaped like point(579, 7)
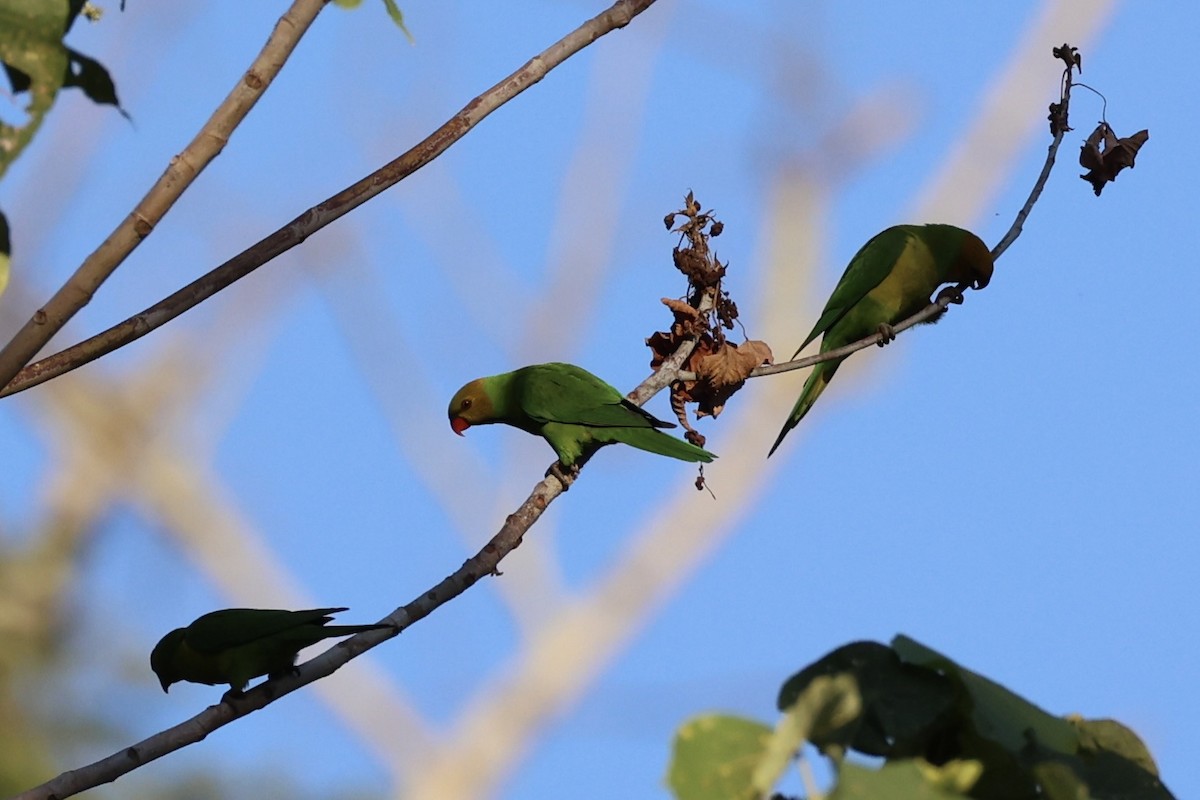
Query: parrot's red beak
point(458, 424)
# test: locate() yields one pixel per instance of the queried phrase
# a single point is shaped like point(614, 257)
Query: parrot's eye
point(466, 403)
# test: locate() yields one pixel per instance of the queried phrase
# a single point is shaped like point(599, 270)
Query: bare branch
point(482, 564)
point(933, 309)
point(314, 219)
point(179, 175)
point(1058, 125)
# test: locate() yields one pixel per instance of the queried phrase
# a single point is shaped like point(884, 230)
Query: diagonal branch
point(179, 175)
point(616, 16)
point(480, 565)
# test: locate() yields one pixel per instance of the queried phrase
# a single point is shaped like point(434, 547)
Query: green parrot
point(891, 278)
point(237, 644)
point(570, 408)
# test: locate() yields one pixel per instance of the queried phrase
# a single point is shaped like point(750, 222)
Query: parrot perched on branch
point(570, 408)
point(237, 644)
point(891, 278)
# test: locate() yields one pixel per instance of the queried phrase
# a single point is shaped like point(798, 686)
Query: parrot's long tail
point(817, 381)
point(663, 444)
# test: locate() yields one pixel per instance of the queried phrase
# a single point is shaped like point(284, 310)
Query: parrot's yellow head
point(162, 658)
point(471, 405)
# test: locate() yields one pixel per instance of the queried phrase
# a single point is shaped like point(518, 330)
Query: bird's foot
point(951, 294)
point(887, 334)
point(232, 694)
point(565, 475)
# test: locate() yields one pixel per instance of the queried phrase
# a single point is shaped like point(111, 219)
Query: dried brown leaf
point(757, 350)
point(1117, 154)
point(695, 265)
point(1069, 56)
point(662, 345)
point(1058, 118)
point(723, 372)
point(681, 309)
point(732, 364)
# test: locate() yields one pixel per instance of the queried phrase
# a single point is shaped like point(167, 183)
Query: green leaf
point(996, 713)
point(1096, 735)
point(1113, 764)
point(714, 757)
point(1058, 781)
point(36, 61)
point(828, 703)
point(902, 780)
point(1029, 753)
point(393, 11)
point(19, 81)
point(397, 16)
point(904, 706)
point(91, 76)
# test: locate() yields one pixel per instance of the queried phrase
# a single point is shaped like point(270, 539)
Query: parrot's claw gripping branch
point(565, 475)
point(952, 294)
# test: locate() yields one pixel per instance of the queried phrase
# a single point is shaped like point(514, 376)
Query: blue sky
point(1014, 486)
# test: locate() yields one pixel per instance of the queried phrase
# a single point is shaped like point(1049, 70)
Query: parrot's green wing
point(565, 393)
point(233, 627)
point(869, 267)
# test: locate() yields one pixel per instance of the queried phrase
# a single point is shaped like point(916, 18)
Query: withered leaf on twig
point(723, 372)
point(1103, 165)
point(1069, 55)
point(707, 310)
point(1058, 118)
point(733, 363)
point(683, 312)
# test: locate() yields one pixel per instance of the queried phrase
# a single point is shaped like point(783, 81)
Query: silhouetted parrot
point(237, 644)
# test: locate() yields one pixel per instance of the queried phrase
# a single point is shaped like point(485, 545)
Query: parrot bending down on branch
point(237, 644)
point(891, 278)
point(570, 408)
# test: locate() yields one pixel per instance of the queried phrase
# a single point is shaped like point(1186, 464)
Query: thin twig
point(1059, 132)
point(482, 564)
point(179, 175)
point(933, 309)
point(617, 16)
point(945, 298)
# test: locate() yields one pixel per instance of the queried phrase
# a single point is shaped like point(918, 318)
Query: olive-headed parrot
point(891, 278)
point(237, 644)
point(570, 408)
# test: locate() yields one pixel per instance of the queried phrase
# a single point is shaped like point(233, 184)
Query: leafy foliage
point(37, 62)
point(945, 731)
point(715, 755)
